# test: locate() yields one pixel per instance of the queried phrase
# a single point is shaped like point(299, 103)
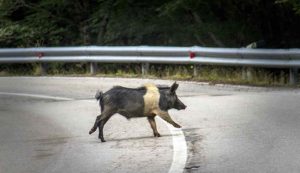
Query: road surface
point(44, 124)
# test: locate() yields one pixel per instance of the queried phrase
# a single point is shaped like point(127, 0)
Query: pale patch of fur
point(151, 99)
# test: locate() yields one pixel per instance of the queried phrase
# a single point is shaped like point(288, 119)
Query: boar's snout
point(180, 105)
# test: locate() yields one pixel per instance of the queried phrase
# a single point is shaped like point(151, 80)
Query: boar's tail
point(99, 95)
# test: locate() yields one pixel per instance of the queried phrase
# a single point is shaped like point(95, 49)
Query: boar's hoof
point(177, 125)
point(92, 130)
point(102, 140)
point(156, 135)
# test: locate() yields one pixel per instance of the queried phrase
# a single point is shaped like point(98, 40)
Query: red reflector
point(192, 55)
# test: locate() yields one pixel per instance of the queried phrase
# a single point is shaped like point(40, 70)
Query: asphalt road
point(226, 129)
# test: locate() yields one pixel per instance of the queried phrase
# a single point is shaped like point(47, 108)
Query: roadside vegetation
point(206, 73)
point(214, 23)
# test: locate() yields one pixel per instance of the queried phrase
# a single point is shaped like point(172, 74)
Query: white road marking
point(36, 96)
point(179, 143)
point(179, 149)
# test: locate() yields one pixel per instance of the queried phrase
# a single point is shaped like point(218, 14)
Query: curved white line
point(179, 149)
point(179, 143)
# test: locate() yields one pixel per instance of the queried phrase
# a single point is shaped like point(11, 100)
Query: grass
point(205, 73)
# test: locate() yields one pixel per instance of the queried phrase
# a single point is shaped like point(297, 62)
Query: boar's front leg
point(165, 116)
point(153, 125)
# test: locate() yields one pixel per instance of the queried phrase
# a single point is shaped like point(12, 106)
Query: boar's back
point(128, 102)
point(133, 102)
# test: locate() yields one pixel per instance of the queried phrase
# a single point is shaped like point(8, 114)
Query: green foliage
point(67, 68)
point(222, 23)
point(17, 69)
point(295, 4)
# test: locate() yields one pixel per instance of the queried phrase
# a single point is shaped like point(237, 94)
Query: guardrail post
point(293, 76)
point(43, 67)
point(282, 77)
point(145, 69)
point(247, 73)
point(244, 77)
point(196, 70)
point(93, 68)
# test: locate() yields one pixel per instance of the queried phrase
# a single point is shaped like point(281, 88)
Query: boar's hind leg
point(153, 126)
point(165, 116)
point(99, 118)
point(101, 125)
point(94, 128)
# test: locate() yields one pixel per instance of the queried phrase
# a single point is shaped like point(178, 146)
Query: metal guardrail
point(281, 58)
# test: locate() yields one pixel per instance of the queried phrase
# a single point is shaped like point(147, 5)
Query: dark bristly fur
point(131, 102)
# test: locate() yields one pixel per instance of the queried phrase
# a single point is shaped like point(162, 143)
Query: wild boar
point(146, 101)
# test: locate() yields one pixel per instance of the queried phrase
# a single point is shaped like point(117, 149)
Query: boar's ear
point(174, 87)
